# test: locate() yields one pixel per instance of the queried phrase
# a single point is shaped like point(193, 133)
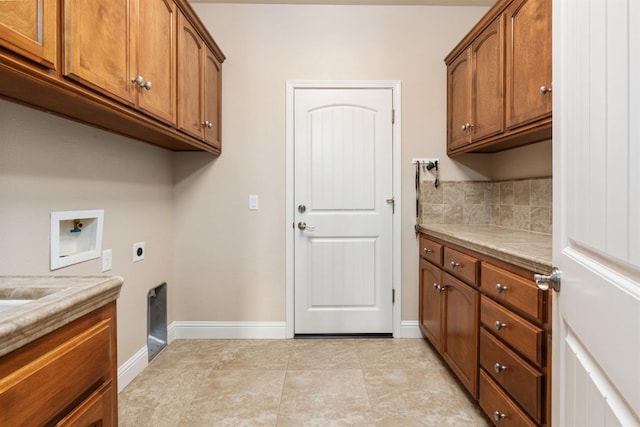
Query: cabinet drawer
point(520, 380)
point(512, 290)
point(513, 329)
point(461, 265)
point(93, 411)
point(58, 378)
point(499, 407)
point(431, 250)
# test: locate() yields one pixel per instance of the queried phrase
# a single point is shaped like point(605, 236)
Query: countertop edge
point(534, 264)
point(48, 316)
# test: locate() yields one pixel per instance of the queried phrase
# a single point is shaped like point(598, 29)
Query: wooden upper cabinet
point(156, 59)
point(190, 69)
point(212, 99)
point(29, 28)
point(528, 61)
point(98, 46)
point(507, 101)
point(487, 105)
point(475, 81)
point(126, 50)
point(458, 100)
point(199, 86)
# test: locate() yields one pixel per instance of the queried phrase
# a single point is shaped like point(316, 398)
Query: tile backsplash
point(523, 204)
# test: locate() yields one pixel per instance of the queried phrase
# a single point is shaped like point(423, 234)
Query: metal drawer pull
point(500, 325)
point(454, 264)
point(545, 90)
point(497, 415)
point(427, 250)
point(501, 288)
point(435, 286)
point(442, 288)
point(499, 368)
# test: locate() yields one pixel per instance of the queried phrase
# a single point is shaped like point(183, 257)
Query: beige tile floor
point(302, 382)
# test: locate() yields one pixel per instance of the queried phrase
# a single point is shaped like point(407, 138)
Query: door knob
point(303, 226)
point(553, 279)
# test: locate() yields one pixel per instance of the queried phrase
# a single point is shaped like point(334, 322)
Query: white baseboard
point(411, 329)
point(227, 330)
point(132, 367)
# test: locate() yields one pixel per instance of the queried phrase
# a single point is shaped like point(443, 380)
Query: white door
point(343, 211)
point(596, 328)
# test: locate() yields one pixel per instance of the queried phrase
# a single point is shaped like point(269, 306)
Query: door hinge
point(393, 116)
point(393, 296)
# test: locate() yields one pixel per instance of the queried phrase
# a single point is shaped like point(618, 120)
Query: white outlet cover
point(139, 247)
point(253, 202)
point(107, 260)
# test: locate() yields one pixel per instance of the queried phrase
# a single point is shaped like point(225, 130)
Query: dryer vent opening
point(156, 320)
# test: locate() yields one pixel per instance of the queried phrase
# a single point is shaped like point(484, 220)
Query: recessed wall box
point(76, 236)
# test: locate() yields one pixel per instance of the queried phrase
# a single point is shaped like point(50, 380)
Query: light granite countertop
point(57, 300)
point(525, 249)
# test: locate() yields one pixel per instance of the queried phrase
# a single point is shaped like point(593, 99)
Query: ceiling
point(362, 2)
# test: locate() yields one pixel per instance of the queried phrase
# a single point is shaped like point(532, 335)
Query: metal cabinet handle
point(545, 90)
point(139, 80)
point(441, 288)
point(207, 124)
point(427, 250)
point(501, 288)
point(464, 127)
point(499, 368)
point(499, 325)
point(497, 415)
point(454, 264)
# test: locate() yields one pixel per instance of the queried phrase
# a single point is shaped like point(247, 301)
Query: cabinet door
point(487, 102)
point(460, 338)
point(430, 305)
point(190, 68)
point(28, 27)
point(212, 99)
point(458, 101)
point(156, 59)
point(97, 46)
point(528, 61)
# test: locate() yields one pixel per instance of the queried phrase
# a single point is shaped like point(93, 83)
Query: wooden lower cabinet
point(491, 325)
point(431, 303)
point(460, 332)
point(449, 313)
point(66, 378)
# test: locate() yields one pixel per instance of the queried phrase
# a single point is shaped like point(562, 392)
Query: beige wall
point(230, 261)
point(51, 164)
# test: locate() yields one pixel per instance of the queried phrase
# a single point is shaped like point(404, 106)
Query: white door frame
point(291, 86)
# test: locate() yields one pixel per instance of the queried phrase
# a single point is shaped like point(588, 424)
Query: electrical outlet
point(138, 251)
point(107, 259)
